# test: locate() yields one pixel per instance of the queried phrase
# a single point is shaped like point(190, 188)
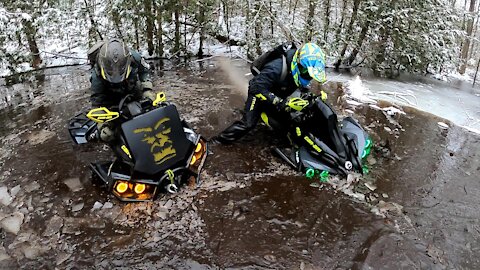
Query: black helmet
point(114, 61)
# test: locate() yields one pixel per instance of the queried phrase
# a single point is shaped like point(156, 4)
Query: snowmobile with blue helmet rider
point(272, 85)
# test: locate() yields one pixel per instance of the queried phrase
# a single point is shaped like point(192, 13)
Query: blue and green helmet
point(308, 63)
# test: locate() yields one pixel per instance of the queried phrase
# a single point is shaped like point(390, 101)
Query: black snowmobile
point(154, 150)
point(321, 145)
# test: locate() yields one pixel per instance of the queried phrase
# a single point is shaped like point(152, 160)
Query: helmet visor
point(304, 72)
point(115, 71)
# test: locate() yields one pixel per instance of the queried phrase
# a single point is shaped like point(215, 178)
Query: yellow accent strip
point(299, 132)
point(312, 144)
point(171, 175)
point(125, 149)
point(102, 114)
point(252, 106)
point(265, 118)
point(128, 72)
point(260, 96)
point(323, 95)
point(103, 73)
point(161, 97)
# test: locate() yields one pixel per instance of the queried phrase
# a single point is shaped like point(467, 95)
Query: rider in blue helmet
point(270, 89)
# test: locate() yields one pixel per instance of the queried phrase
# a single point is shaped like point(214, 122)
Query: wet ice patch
point(443, 125)
point(74, 184)
point(39, 137)
point(32, 186)
point(5, 197)
point(391, 111)
point(13, 222)
point(54, 226)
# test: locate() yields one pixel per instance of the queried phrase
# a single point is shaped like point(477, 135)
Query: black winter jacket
point(267, 84)
point(106, 94)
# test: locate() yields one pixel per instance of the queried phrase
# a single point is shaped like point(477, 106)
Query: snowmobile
point(154, 149)
point(321, 145)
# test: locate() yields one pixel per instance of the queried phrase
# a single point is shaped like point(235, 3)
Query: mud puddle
point(251, 211)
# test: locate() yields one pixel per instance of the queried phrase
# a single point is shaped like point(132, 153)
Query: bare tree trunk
point(226, 17)
point(150, 25)
point(159, 10)
point(271, 19)
point(356, 4)
point(342, 21)
point(176, 46)
point(137, 35)
point(360, 40)
point(185, 30)
point(327, 21)
point(30, 32)
point(93, 23)
point(476, 72)
point(258, 28)
point(201, 21)
point(294, 10)
point(309, 22)
point(474, 33)
point(466, 43)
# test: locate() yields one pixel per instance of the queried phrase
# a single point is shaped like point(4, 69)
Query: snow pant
point(252, 113)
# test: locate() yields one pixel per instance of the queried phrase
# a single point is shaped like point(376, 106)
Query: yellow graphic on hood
point(161, 146)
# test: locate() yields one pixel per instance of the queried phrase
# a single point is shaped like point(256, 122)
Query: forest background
point(389, 37)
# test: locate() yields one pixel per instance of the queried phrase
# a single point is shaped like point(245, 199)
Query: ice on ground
point(392, 111)
point(3, 254)
point(40, 137)
point(97, 205)
point(32, 186)
point(32, 251)
point(12, 223)
point(107, 205)
point(74, 184)
point(443, 125)
point(54, 226)
point(77, 207)
point(5, 197)
point(14, 191)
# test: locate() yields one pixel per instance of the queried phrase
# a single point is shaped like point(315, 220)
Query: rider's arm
point(144, 73)
point(98, 95)
point(260, 86)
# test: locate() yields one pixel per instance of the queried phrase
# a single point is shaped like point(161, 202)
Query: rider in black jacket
point(116, 73)
point(266, 91)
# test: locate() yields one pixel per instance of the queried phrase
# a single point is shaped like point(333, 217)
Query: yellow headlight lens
point(139, 188)
point(122, 187)
point(199, 147)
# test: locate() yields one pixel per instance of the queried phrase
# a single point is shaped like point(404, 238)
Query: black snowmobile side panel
point(351, 128)
point(309, 161)
point(157, 140)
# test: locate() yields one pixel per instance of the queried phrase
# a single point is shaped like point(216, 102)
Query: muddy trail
point(415, 209)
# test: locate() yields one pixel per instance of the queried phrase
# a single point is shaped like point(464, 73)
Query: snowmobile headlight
point(144, 190)
point(139, 188)
point(122, 187)
point(199, 147)
point(194, 159)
